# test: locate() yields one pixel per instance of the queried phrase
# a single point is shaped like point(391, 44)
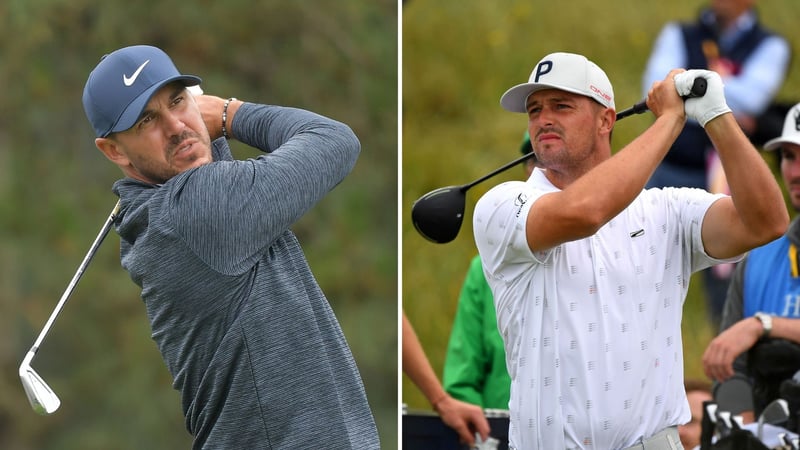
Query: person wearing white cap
point(762, 306)
point(249, 337)
point(589, 270)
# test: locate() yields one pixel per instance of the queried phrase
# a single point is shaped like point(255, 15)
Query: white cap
point(567, 72)
point(791, 130)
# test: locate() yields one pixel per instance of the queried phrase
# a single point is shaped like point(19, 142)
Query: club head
point(437, 215)
point(43, 400)
point(777, 411)
point(711, 411)
point(724, 425)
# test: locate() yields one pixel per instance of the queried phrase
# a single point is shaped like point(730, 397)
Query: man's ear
point(608, 119)
point(111, 150)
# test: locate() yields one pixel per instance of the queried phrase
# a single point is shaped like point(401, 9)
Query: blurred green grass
point(458, 58)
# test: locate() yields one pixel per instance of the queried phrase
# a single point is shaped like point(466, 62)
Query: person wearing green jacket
point(475, 365)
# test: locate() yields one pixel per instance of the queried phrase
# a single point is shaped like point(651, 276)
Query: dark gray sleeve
point(733, 310)
point(736, 393)
point(220, 150)
point(229, 212)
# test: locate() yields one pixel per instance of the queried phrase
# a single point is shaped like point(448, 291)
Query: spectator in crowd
point(466, 419)
point(759, 345)
point(753, 61)
point(697, 392)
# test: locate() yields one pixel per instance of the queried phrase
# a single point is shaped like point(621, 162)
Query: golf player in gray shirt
point(247, 334)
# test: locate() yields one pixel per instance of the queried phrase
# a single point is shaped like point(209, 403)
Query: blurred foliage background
point(458, 58)
point(335, 58)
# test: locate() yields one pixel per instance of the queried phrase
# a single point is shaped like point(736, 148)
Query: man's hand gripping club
point(711, 105)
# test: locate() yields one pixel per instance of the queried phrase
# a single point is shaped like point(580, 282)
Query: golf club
point(724, 423)
point(40, 395)
point(708, 424)
point(437, 215)
point(777, 411)
point(789, 443)
point(789, 390)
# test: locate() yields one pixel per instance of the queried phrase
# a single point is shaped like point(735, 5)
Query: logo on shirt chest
point(637, 233)
point(519, 202)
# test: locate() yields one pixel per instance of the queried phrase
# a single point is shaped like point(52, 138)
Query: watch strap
point(766, 323)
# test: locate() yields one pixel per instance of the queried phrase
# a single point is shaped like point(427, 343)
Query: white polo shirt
point(592, 327)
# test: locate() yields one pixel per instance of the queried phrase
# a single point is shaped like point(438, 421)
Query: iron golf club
point(437, 215)
point(777, 411)
point(724, 423)
point(40, 395)
point(708, 424)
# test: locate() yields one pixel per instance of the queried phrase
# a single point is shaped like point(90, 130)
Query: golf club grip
point(699, 87)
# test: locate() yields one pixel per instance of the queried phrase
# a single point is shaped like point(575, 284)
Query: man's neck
point(727, 23)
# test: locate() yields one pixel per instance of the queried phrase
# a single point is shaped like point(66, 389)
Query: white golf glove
point(712, 104)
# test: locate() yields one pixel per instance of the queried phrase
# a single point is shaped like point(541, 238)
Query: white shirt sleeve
point(499, 227)
point(692, 205)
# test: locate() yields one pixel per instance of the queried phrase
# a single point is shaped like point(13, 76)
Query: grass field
point(458, 58)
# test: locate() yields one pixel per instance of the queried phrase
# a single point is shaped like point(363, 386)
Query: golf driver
point(437, 215)
point(40, 395)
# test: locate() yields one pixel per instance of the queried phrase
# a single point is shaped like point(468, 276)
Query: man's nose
point(173, 122)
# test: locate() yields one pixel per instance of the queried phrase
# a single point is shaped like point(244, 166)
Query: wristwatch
point(766, 322)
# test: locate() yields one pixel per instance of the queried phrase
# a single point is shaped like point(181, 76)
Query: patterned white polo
point(592, 327)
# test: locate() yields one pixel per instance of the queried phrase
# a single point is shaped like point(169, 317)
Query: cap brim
point(774, 144)
point(131, 115)
point(515, 98)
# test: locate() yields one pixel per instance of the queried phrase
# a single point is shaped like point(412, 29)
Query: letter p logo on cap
point(543, 68)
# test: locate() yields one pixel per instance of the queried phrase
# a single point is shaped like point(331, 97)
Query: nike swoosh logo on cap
point(130, 80)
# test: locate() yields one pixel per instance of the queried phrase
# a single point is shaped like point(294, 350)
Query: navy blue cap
point(119, 88)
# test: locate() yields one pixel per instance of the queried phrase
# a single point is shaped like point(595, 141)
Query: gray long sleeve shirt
point(242, 325)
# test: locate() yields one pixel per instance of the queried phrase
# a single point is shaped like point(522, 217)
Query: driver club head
point(43, 400)
point(437, 215)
